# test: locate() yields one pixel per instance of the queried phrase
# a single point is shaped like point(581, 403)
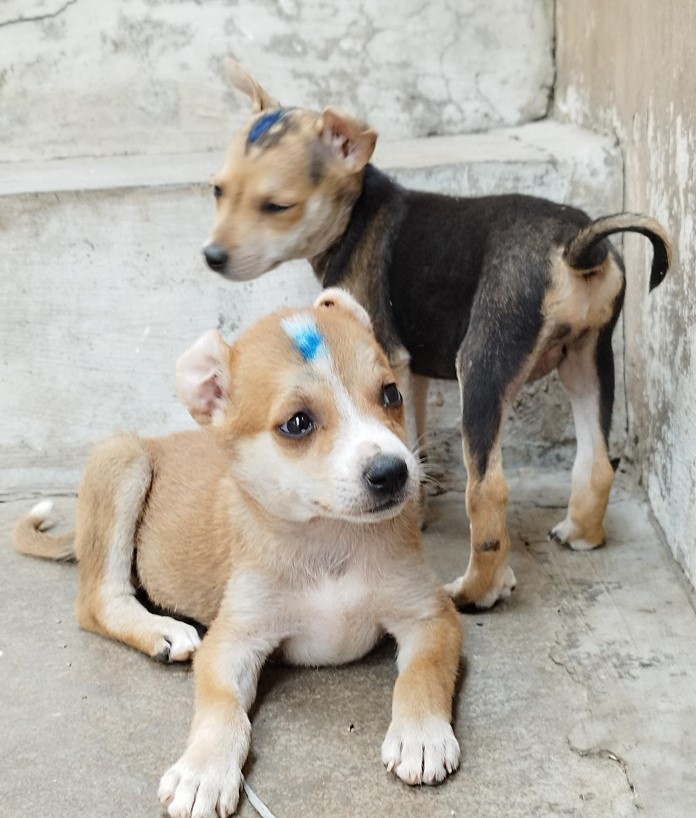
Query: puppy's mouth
point(387, 504)
point(384, 509)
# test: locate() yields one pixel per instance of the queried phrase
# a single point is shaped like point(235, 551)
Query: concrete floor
point(578, 694)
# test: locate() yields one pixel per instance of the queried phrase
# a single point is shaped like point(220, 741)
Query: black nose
point(386, 474)
point(216, 257)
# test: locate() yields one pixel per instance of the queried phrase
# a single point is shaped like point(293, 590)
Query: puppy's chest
point(337, 621)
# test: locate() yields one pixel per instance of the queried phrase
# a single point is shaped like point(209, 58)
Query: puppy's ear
point(343, 300)
point(203, 378)
point(347, 139)
point(242, 80)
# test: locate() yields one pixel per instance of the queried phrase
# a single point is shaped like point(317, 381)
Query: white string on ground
point(256, 802)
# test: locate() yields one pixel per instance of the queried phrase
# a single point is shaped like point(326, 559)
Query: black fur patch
point(459, 282)
point(316, 162)
point(488, 546)
point(604, 363)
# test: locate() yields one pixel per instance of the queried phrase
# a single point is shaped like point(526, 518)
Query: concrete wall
point(96, 77)
point(104, 285)
point(629, 68)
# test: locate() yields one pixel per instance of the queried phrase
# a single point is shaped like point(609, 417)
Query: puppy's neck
point(320, 547)
point(380, 199)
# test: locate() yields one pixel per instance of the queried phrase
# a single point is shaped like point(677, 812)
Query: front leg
point(420, 746)
point(205, 781)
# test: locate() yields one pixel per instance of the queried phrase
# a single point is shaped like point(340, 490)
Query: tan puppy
point(289, 525)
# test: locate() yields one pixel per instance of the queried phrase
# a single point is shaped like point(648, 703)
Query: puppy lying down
point(288, 524)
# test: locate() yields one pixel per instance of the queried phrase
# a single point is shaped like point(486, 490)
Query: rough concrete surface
point(81, 78)
point(640, 87)
point(104, 286)
point(578, 695)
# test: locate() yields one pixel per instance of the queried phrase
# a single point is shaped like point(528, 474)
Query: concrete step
point(104, 286)
point(141, 77)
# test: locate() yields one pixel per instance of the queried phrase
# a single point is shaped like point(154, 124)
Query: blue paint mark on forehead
point(264, 124)
point(305, 334)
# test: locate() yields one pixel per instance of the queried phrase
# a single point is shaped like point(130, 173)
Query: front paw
point(192, 789)
point(466, 593)
point(421, 752)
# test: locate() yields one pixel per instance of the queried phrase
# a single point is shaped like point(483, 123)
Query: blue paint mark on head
point(305, 334)
point(264, 124)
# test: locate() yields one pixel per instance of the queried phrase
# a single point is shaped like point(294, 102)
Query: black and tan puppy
point(494, 291)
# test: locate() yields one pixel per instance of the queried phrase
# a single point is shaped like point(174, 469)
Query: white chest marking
point(338, 622)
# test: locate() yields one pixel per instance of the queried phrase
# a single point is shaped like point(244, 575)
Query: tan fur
point(588, 502)
point(317, 214)
point(617, 223)
point(30, 538)
point(486, 504)
point(247, 84)
point(255, 535)
point(581, 301)
point(420, 692)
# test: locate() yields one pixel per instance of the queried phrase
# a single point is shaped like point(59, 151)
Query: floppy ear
point(337, 297)
point(242, 80)
point(203, 378)
point(346, 138)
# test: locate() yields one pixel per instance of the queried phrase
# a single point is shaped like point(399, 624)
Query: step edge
point(541, 142)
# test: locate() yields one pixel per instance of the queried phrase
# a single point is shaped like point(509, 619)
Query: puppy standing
point(290, 524)
point(494, 291)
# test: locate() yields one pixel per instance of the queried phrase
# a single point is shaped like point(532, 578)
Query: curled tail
point(584, 251)
point(30, 537)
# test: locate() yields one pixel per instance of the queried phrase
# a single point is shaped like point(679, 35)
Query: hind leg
point(488, 577)
point(587, 372)
point(111, 500)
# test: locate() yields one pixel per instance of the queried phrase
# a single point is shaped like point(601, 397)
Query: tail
point(585, 252)
point(29, 536)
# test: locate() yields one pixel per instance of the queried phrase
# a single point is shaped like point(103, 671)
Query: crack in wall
point(551, 99)
point(39, 17)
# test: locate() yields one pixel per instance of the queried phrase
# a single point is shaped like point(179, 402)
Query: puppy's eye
point(217, 191)
point(299, 425)
point(273, 207)
point(391, 395)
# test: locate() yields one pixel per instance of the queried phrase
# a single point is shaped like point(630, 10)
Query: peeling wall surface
point(629, 69)
point(104, 286)
point(87, 78)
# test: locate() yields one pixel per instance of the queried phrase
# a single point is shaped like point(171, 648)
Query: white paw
point(209, 790)
point(568, 533)
point(179, 640)
point(424, 752)
point(503, 586)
